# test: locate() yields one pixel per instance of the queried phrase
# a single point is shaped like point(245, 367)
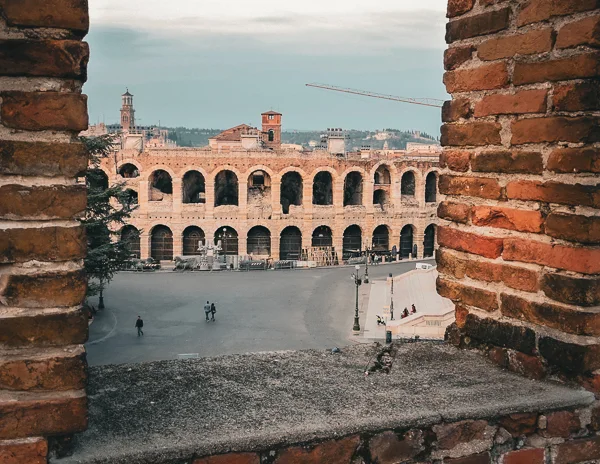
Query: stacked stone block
point(519, 233)
point(43, 63)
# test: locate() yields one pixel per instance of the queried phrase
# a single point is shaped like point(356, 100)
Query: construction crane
point(415, 101)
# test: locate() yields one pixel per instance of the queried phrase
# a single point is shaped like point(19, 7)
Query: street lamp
point(367, 263)
point(357, 282)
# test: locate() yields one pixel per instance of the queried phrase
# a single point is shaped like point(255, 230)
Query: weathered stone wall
point(43, 65)
point(520, 228)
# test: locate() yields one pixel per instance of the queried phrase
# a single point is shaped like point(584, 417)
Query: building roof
point(127, 94)
point(272, 112)
point(233, 134)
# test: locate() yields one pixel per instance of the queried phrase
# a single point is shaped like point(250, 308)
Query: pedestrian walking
point(207, 310)
point(139, 324)
point(213, 310)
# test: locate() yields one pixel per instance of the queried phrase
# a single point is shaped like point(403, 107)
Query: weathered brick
point(463, 294)
point(481, 187)
point(455, 160)
point(67, 14)
point(48, 58)
point(562, 424)
point(485, 77)
point(574, 160)
point(231, 458)
point(520, 278)
point(457, 56)
point(532, 42)
point(450, 264)
point(459, 267)
point(541, 10)
point(586, 31)
point(489, 247)
point(574, 227)
point(334, 451)
point(591, 382)
point(498, 356)
point(508, 162)
point(38, 111)
point(388, 448)
point(54, 289)
point(555, 192)
point(47, 202)
point(461, 316)
point(481, 458)
point(507, 218)
point(454, 433)
point(47, 328)
point(459, 7)
point(27, 415)
point(525, 365)
point(595, 421)
point(457, 212)
point(483, 270)
point(471, 134)
point(576, 451)
point(42, 159)
point(581, 96)
point(502, 334)
point(24, 451)
point(572, 290)
point(525, 101)
point(520, 424)
point(526, 456)
point(491, 2)
point(556, 129)
point(583, 260)
point(453, 110)
point(42, 244)
point(473, 26)
point(55, 370)
point(570, 358)
point(559, 69)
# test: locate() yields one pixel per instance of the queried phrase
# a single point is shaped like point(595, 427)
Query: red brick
point(456, 212)
point(231, 458)
point(452, 434)
point(48, 58)
point(51, 289)
point(457, 56)
point(581, 96)
point(559, 69)
point(541, 10)
point(525, 101)
point(471, 134)
point(491, 2)
point(502, 334)
point(508, 162)
point(573, 227)
point(453, 110)
point(507, 218)
point(526, 456)
point(450, 264)
point(56, 370)
point(489, 247)
point(455, 160)
point(532, 42)
point(67, 14)
point(48, 202)
point(520, 278)
point(42, 159)
point(586, 31)
point(38, 111)
point(562, 318)
point(572, 290)
point(462, 294)
point(27, 415)
point(583, 260)
point(473, 26)
point(574, 160)
point(334, 452)
point(562, 424)
point(459, 7)
point(498, 356)
point(570, 358)
point(459, 267)
point(595, 421)
point(24, 451)
point(520, 424)
point(461, 316)
point(556, 129)
point(525, 365)
point(481, 187)
point(388, 448)
point(554, 192)
point(576, 451)
point(484, 77)
point(46, 328)
point(42, 244)
point(591, 383)
point(482, 458)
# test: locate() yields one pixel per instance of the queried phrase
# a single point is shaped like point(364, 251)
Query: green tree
point(108, 207)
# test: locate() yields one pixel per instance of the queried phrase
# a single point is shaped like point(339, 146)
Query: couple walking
point(210, 308)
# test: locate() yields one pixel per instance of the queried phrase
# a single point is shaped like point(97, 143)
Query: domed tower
point(271, 129)
point(127, 112)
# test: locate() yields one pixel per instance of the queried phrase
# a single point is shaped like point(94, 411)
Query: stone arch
point(408, 184)
point(193, 187)
point(161, 243)
point(160, 185)
point(300, 171)
point(322, 236)
point(381, 197)
point(259, 167)
point(129, 170)
point(431, 187)
point(353, 188)
point(192, 237)
point(290, 243)
point(131, 236)
point(161, 167)
point(322, 188)
point(259, 241)
point(229, 240)
point(226, 188)
point(406, 240)
point(97, 179)
point(258, 189)
point(382, 175)
point(381, 238)
point(291, 190)
point(429, 241)
point(352, 241)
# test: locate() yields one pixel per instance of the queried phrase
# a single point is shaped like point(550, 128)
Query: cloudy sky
point(218, 63)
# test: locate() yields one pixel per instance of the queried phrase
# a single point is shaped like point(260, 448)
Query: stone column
point(368, 188)
point(243, 200)
point(143, 198)
point(275, 197)
point(144, 245)
point(307, 206)
point(177, 196)
point(275, 239)
point(210, 199)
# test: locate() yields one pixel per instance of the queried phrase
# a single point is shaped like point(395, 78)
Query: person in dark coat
point(139, 324)
point(213, 310)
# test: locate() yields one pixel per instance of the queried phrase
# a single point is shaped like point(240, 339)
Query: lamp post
point(357, 282)
point(367, 263)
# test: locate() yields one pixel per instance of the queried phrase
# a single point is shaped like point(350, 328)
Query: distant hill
point(396, 139)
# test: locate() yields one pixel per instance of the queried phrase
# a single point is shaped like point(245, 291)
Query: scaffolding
point(321, 255)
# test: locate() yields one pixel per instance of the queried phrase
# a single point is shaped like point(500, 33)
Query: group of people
point(405, 313)
point(210, 308)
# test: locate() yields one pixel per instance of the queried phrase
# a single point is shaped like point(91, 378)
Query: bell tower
point(271, 129)
point(127, 112)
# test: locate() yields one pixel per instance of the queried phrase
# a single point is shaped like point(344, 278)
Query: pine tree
point(107, 210)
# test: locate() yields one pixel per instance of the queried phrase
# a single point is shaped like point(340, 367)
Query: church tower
point(271, 129)
point(127, 112)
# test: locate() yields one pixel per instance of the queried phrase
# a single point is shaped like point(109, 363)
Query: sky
point(219, 63)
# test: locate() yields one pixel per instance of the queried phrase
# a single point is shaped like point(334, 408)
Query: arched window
point(380, 197)
point(322, 237)
point(96, 179)
point(407, 187)
point(131, 237)
point(381, 238)
point(406, 241)
point(429, 241)
point(323, 189)
point(129, 171)
point(382, 176)
point(228, 237)
point(129, 198)
point(353, 189)
point(290, 243)
point(431, 188)
point(226, 188)
point(291, 191)
point(192, 238)
point(259, 188)
point(271, 135)
point(161, 185)
point(259, 241)
point(352, 243)
point(161, 243)
point(194, 188)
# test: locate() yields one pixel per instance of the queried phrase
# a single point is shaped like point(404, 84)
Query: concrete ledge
point(175, 411)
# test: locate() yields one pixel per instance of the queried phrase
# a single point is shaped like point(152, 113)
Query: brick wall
point(520, 231)
point(43, 65)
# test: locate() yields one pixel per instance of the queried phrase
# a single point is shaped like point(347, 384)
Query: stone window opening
point(380, 198)
point(352, 242)
point(271, 135)
point(161, 186)
point(291, 191)
point(259, 189)
point(96, 179)
point(407, 184)
point(259, 241)
point(131, 237)
point(431, 188)
point(382, 176)
point(161, 243)
point(353, 189)
point(381, 239)
point(429, 241)
point(226, 189)
point(228, 237)
point(193, 236)
point(290, 243)
point(130, 197)
point(322, 237)
point(194, 187)
point(323, 189)
point(406, 241)
point(129, 171)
